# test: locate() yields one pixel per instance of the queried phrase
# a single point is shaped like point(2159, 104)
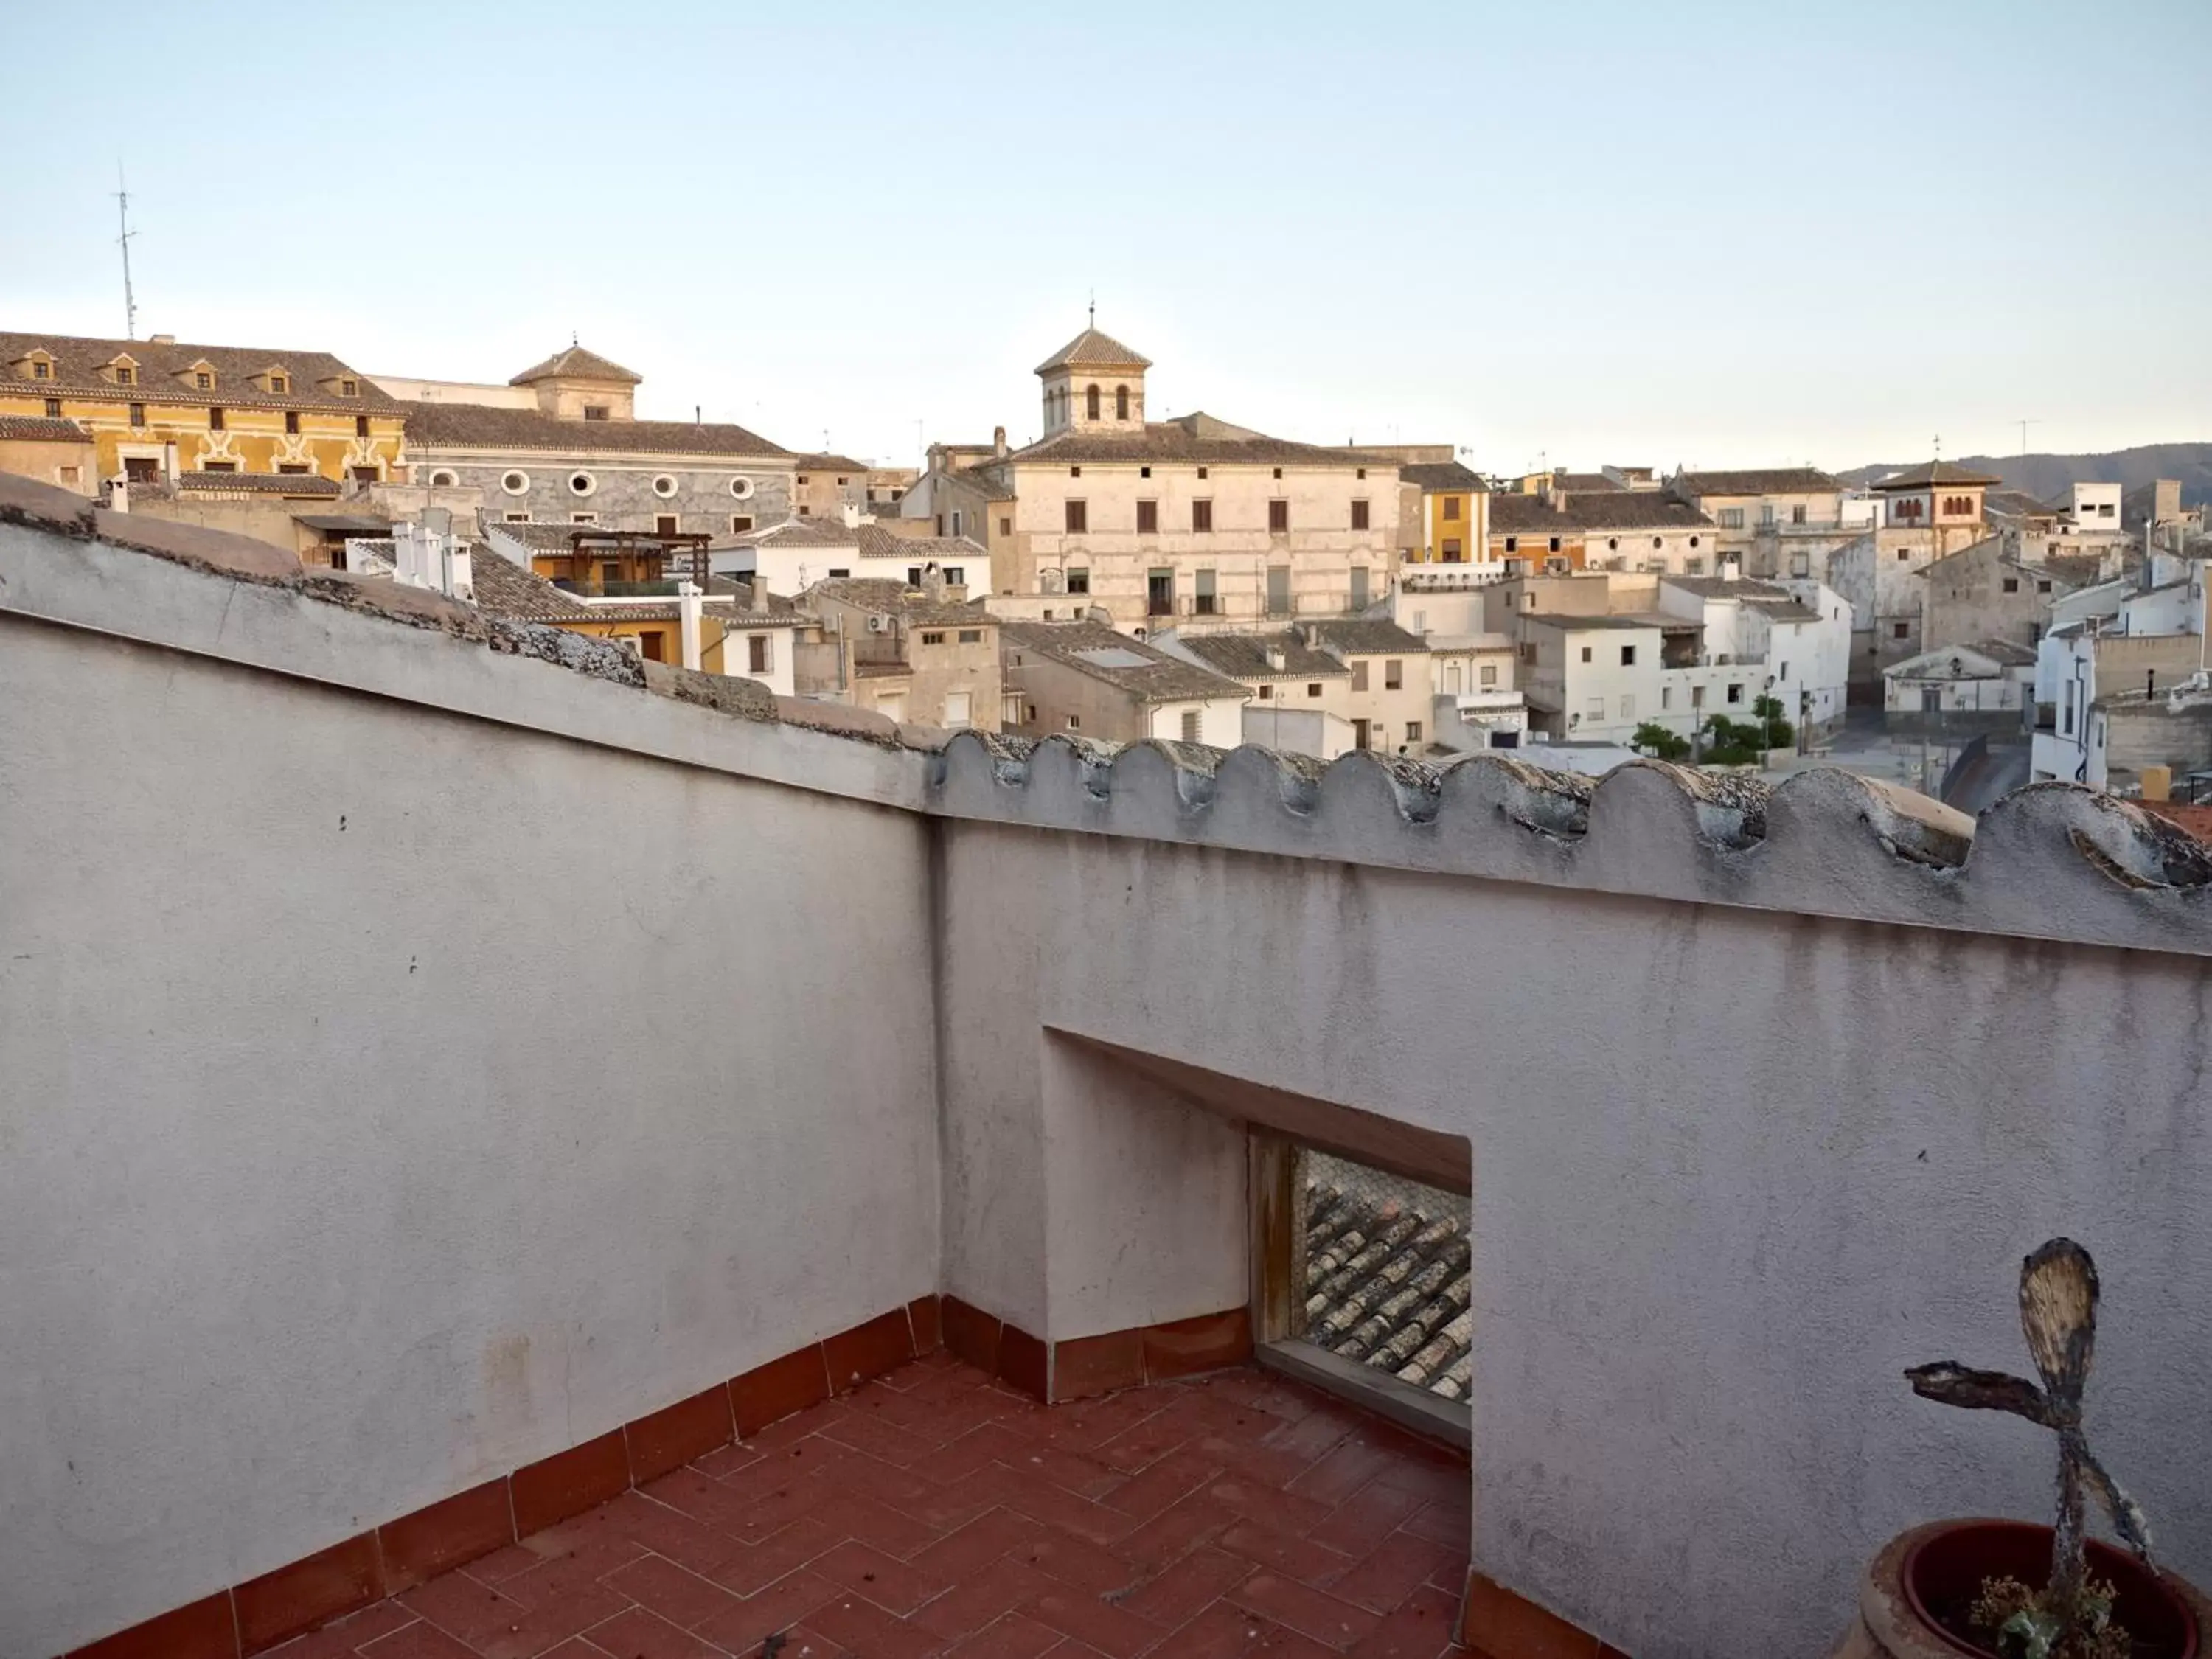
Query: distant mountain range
point(2048, 478)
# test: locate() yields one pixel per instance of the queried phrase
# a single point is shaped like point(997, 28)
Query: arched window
point(1120, 403)
point(1091, 403)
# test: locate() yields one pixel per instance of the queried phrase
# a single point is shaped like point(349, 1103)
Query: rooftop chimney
point(1731, 570)
point(998, 440)
point(160, 339)
point(1278, 659)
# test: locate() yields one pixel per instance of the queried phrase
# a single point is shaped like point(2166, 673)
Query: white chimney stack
point(690, 607)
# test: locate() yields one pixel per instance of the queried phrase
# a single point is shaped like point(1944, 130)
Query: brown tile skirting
point(248, 1618)
point(1493, 1619)
point(1085, 1366)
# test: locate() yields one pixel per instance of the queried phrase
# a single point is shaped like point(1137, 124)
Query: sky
point(1563, 235)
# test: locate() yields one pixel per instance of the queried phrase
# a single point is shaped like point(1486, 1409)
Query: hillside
point(2049, 477)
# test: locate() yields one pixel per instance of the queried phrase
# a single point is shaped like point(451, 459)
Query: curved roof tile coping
point(2053, 861)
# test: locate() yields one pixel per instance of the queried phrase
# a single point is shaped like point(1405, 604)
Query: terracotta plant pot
point(1923, 1577)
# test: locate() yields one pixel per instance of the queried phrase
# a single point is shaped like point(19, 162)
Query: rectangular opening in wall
point(1362, 1284)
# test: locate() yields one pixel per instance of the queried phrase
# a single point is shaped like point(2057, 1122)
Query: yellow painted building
point(155, 409)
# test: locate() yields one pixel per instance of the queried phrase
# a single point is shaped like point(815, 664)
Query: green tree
point(1732, 743)
point(1778, 733)
point(1655, 740)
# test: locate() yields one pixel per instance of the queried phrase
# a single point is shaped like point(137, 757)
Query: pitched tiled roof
point(1244, 656)
point(876, 593)
point(164, 374)
point(577, 364)
point(1933, 475)
point(797, 532)
point(1600, 510)
point(1195, 437)
point(1144, 671)
point(1092, 349)
point(831, 464)
point(1441, 474)
point(557, 538)
point(435, 427)
point(980, 479)
point(1386, 1275)
point(878, 543)
point(2011, 652)
point(42, 428)
point(504, 587)
point(2017, 504)
point(258, 483)
point(1572, 481)
point(1768, 481)
point(1364, 637)
point(1611, 619)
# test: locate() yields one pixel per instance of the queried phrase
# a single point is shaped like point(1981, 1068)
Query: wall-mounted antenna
point(123, 241)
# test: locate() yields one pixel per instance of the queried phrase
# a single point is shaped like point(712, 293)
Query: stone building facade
point(1189, 523)
point(582, 457)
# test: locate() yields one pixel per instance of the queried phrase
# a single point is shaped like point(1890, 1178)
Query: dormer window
point(125, 374)
point(279, 383)
point(349, 388)
point(42, 369)
point(204, 381)
point(595, 411)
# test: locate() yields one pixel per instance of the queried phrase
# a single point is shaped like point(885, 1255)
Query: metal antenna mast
point(123, 241)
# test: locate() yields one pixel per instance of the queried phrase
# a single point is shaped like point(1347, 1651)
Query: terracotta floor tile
point(990, 1592)
point(1399, 1567)
point(417, 1641)
point(460, 1606)
point(1183, 1526)
point(934, 1510)
point(1226, 1631)
point(1144, 1494)
point(760, 1565)
point(1421, 1628)
point(1076, 1563)
point(1303, 1608)
point(890, 1584)
point(692, 1545)
point(860, 1626)
point(634, 1634)
point(1288, 1555)
point(680, 1597)
point(1115, 1632)
point(1373, 1512)
point(551, 1622)
point(777, 1606)
point(1181, 1591)
point(976, 1545)
point(339, 1639)
point(1014, 1636)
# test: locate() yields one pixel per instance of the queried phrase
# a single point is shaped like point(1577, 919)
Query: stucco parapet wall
point(2051, 861)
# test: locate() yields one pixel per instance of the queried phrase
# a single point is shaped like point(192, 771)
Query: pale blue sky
point(1717, 234)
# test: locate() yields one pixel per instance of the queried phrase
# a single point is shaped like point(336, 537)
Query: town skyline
point(1466, 270)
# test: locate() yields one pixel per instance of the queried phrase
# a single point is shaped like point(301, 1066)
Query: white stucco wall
point(393, 1097)
point(1778, 1159)
point(367, 1135)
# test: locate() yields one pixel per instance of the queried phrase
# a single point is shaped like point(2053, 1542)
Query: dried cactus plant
point(2058, 1317)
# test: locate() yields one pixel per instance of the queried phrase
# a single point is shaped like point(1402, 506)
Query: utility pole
point(123, 241)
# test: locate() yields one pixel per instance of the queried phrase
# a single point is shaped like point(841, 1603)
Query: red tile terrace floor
point(935, 1511)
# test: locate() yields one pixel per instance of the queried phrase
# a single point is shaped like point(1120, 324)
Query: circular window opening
point(742, 489)
point(665, 485)
point(515, 483)
point(1613, 543)
point(581, 483)
point(1693, 541)
point(443, 480)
